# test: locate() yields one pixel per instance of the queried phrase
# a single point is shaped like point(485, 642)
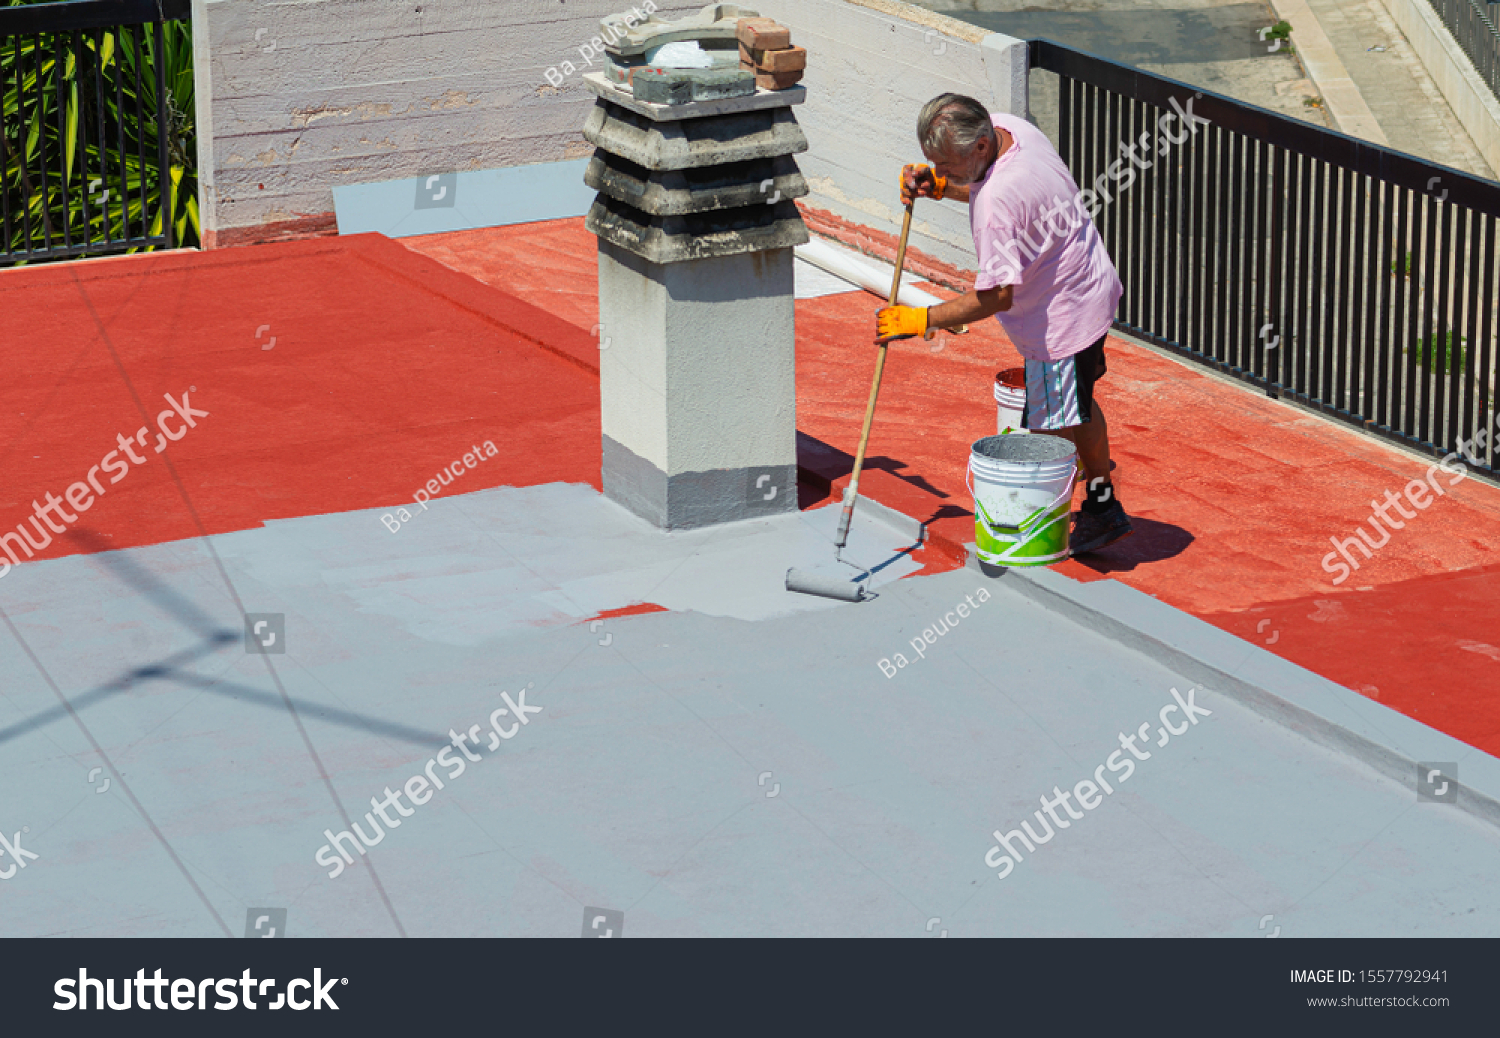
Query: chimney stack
point(696, 227)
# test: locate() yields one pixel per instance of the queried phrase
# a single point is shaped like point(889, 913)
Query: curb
point(1278, 690)
point(1475, 107)
point(1345, 103)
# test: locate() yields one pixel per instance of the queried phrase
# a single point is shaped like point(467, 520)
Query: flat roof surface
point(1234, 496)
point(713, 755)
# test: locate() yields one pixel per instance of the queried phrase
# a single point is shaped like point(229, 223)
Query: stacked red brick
point(766, 49)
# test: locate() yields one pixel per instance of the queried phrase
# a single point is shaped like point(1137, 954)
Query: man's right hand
point(921, 182)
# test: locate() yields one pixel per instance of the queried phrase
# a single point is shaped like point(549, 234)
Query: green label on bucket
point(1039, 545)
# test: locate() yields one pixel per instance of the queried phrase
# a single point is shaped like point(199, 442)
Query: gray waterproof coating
point(1023, 448)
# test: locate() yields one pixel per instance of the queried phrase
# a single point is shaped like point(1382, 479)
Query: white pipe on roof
point(845, 264)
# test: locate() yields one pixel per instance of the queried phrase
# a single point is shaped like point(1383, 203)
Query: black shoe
point(1092, 532)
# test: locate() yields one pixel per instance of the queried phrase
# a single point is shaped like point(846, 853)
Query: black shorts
point(1060, 393)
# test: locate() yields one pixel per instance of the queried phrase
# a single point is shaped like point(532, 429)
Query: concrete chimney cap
point(715, 22)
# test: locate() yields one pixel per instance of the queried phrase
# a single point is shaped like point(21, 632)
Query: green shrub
point(1427, 353)
point(29, 123)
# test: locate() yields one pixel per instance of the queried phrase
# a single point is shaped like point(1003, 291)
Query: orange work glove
point(900, 322)
point(921, 182)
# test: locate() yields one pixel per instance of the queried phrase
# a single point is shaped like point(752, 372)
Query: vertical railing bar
point(21, 110)
point(41, 142)
point(62, 136)
point(1314, 285)
point(1339, 320)
point(1187, 272)
point(1133, 263)
point(1064, 122)
point(1112, 123)
point(1223, 203)
point(9, 41)
point(98, 63)
point(1454, 349)
point(140, 136)
point(1384, 291)
point(1203, 296)
point(1197, 186)
point(1297, 338)
point(164, 123)
point(1485, 355)
point(1260, 300)
point(1172, 242)
point(1162, 246)
point(1390, 372)
point(120, 163)
point(80, 48)
point(1463, 425)
point(1277, 272)
point(1409, 335)
point(1359, 306)
point(1431, 217)
point(1315, 349)
point(1438, 373)
point(1241, 240)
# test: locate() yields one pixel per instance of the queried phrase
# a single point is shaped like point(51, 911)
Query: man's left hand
point(900, 322)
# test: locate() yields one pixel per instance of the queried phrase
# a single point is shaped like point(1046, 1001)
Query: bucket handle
point(1032, 520)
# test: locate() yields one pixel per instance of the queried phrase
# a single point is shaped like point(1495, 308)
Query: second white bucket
point(1010, 400)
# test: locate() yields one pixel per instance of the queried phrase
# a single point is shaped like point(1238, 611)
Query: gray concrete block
point(699, 381)
point(691, 500)
point(691, 143)
point(681, 86)
point(619, 69)
point(679, 192)
point(716, 22)
point(610, 90)
point(676, 239)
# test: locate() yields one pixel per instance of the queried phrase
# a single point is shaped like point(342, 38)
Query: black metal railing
point(85, 128)
point(1345, 276)
point(1472, 23)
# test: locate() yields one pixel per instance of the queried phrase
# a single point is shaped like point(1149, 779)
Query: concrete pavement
point(1343, 49)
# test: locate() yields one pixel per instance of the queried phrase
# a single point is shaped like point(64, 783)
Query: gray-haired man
point(1043, 272)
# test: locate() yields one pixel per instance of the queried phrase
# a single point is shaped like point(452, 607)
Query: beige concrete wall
point(872, 64)
point(1468, 95)
point(294, 99)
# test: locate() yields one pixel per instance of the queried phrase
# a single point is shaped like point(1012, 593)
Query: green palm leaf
point(74, 156)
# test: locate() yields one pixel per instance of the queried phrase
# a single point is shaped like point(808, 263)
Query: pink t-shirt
point(1031, 230)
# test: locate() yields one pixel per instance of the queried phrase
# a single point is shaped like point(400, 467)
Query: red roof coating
point(334, 372)
point(1234, 496)
point(384, 359)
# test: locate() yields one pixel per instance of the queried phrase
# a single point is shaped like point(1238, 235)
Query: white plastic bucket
point(1023, 490)
point(1010, 400)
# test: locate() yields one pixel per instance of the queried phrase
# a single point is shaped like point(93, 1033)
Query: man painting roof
point(1043, 272)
